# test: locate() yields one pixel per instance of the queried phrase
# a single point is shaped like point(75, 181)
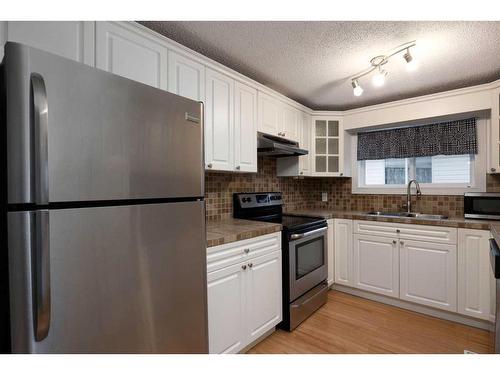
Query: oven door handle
point(306, 234)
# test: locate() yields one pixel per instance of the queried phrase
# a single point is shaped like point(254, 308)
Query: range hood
point(277, 147)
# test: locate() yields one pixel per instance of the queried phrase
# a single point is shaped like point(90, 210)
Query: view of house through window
point(441, 169)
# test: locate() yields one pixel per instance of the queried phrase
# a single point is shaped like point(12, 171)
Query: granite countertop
point(230, 230)
point(457, 222)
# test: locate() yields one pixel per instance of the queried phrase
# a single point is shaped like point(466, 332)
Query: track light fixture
point(377, 62)
point(356, 88)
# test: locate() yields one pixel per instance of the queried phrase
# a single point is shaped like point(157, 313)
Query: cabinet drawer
point(228, 254)
point(416, 232)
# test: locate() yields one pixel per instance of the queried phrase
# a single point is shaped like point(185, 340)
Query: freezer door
point(128, 279)
point(77, 133)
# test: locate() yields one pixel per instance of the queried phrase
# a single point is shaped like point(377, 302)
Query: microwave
point(482, 206)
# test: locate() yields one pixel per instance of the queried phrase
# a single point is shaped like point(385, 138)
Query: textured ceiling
point(311, 62)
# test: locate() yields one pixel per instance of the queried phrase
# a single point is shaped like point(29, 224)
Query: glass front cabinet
point(327, 144)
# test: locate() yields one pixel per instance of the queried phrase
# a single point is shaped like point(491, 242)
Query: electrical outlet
point(324, 197)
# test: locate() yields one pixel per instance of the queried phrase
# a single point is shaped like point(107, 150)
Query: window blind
point(457, 137)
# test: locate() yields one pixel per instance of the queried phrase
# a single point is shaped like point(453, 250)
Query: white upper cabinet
point(131, 54)
point(186, 77)
point(494, 136)
point(327, 147)
point(305, 143)
point(270, 115)
point(219, 121)
point(245, 128)
point(429, 274)
point(476, 283)
point(290, 123)
point(72, 39)
point(376, 264)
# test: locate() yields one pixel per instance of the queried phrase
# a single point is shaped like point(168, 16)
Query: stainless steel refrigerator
point(105, 211)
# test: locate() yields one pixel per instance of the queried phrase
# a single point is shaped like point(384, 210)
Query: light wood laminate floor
point(350, 324)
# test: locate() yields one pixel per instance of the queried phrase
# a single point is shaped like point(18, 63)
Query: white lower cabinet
point(440, 267)
point(263, 294)
point(476, 283)
point(244, 298)
point(343, 265)
point(330, 253)
point(429, 274)
point(226, 309)
point(376, 264)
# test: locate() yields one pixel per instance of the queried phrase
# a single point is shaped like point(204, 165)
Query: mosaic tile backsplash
point(306, 193)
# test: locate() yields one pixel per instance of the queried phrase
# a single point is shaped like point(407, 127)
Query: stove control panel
point(252, 200)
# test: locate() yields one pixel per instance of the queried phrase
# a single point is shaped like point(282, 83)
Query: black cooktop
point(292, 222)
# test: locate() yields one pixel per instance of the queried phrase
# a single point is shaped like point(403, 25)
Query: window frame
point(477, 180)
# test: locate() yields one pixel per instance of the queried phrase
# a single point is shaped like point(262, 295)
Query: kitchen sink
point(415, 215)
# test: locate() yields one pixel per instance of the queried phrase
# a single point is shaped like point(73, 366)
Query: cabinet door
point(494, 133)
point(245, 128)
point(327, 146)
point(219, 121)
point(305, 143)
point(331, 249)
point(264, 303)
point(269, 115)
point(72, 40)
point(131, 55)
point(186, 77)
point(429, 274)
point(226, 310)
point(343, 252)
point(475, 276)
point(376, 264)
point(290, 123)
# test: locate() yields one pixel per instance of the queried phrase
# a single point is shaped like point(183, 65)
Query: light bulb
point(379, 78)
point(411, 63)
point(356, 88)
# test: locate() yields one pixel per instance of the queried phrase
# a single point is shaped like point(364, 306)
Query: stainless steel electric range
point(304, 248)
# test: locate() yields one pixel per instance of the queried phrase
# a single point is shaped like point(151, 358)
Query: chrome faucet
point(408, 194)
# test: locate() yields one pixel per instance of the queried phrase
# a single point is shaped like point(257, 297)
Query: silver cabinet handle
point(250, 265)
point(209, 165)
point(41, 275)
point(394, 241)
point(398, 231)
point(310, 233)
point(401, 242)
point(40, 141)
point(238, 167)
point(301, 173)
point(244, 267)
point(246, 251)
point(493, 169)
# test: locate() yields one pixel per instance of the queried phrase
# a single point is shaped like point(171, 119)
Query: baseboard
point(454, 317)
point(261, 338)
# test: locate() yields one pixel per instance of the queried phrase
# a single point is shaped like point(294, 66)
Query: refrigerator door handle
point(40, 125)
point(41, 274)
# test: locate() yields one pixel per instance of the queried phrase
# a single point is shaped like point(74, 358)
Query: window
point(456, 170)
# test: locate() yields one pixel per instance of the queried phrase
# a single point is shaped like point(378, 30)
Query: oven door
point(308, 261)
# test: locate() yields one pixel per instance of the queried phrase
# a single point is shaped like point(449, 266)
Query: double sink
point(413, 215)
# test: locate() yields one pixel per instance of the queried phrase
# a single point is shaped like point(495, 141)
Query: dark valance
point(445, 138)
